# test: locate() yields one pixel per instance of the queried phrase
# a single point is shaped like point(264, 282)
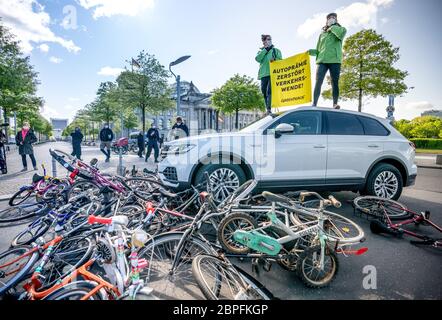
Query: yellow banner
point(291, 81)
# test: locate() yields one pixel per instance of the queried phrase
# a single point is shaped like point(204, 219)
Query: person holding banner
point(267, 54)
point(328, 54)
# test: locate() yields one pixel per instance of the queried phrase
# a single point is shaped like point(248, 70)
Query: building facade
point(434, 113)
point(199, 115)
point(58, 125)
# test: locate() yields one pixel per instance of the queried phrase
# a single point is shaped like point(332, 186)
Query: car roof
point(312, 108)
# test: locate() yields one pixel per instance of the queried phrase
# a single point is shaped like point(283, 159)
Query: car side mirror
point(283, 128)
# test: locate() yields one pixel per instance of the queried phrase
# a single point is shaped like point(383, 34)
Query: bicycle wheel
point(68, 255)
point(309, 271)
point(34, 231)
point(379, 207)
point(55, 190)
point(81, 186)
point(336, 227)
point(23, 212)
point(219, 280)
point(21, 196)
point(228, 226)
point(75, 291)
point(15, 264)
point(168, 284)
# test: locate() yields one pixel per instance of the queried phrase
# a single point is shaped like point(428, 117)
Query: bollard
point(439, 159)
point(54, 167)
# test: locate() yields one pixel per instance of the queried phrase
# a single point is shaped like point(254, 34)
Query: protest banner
point(291, 81)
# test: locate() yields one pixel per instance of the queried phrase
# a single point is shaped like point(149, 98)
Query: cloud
point(28, 20)
point(109, 8)
point(420, 105)
point(110, 72)
point(44, 48)
point(355, 15)
point(55, 60)
point(212, 52)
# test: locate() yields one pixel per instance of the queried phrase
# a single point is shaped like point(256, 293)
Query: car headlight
point(179, 149)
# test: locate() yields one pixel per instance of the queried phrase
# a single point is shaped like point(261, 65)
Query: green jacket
point(264, 57)
point(329, 47)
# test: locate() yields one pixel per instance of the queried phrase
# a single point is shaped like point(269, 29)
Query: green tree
point(404, 127)
point(145, 87)
point(426, 127)
point(238, 93)
point(18, 80)
point(105, 107)
point(368, 69)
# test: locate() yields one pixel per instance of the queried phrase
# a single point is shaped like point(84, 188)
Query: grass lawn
point(429, 151)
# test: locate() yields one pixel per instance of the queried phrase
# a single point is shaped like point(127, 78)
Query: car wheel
point(224, 179)
point(385, 181)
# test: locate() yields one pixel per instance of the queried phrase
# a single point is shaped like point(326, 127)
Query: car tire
point(384, 181)
point(236, 177)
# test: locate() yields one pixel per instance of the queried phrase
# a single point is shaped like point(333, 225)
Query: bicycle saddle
point(276, 198)
point(37, 178)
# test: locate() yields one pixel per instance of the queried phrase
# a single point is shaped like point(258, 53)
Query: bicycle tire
point(74, 289)
point(160, 252)
point(28, 192)
point(370, 205)
point(79, 183)
point(8, 215)
point(301, 266)
point(22, 272)
point(43, 228)
point(225, 239)
point(253, 291)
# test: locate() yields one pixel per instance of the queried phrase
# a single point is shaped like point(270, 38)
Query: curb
point(430, 167)
point(5, 197)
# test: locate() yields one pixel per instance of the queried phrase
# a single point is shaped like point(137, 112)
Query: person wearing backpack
point(266, 55)
point(328, 54)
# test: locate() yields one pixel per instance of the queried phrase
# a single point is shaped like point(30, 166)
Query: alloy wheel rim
point(386, 185)
point(223, 182)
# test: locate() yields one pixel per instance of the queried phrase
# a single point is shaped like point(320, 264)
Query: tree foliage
point(425, 127)
point(238, 93)
point(368, 68)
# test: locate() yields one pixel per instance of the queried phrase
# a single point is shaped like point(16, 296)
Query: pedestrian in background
point(267, 54)
point(153, 138)
point(77, 139)
point(141, 144)
point(180, 125)
point(106, 138)
point(328, 54)
point(24, 140)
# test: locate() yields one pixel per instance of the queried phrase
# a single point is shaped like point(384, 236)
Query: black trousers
point(25, 163)
point(140, 150)
point(156, 149)
point(266, 89)
point(76, 151)
point(335, 72)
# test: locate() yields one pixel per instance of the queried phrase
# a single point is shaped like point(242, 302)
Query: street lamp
point(178, 79)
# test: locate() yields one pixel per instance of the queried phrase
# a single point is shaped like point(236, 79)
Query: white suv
point(307, 148)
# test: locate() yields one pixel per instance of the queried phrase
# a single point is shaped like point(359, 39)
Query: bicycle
point(391, 217)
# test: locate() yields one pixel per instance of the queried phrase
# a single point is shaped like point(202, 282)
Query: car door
point(350, 151)
point(298, 158)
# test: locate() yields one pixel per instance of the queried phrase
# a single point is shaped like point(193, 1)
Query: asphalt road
point(403, 271)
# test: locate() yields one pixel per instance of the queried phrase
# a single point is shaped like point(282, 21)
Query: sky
point(76, 44)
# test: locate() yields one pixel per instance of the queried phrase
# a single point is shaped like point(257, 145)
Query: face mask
point(26, 128)
point(106, 127)
point(268, 43)
point(331, 22)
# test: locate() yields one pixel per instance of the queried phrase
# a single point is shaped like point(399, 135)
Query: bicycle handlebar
point(330, 201)
point(99, 220)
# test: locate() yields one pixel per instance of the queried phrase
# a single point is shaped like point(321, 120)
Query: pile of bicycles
point(93, 236)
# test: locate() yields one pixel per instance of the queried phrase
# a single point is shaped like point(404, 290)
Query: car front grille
point(170, 174)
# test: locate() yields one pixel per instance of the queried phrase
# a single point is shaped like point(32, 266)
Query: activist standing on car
point(153, 137)
point(24, 140)
point(77, 139)
point(106, 137)
point(328, 54)
point(267, 54)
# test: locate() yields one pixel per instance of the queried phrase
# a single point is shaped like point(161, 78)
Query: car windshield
point(257, 125)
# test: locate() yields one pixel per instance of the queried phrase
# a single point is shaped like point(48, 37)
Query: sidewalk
point(11, 182)
point(427, 161)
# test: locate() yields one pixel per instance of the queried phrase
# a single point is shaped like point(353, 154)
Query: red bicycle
point(391, 217)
